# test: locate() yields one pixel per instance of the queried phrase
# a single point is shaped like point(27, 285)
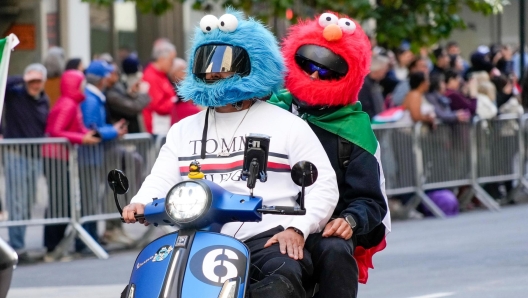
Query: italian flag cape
point(6, 45)
point(352, 124)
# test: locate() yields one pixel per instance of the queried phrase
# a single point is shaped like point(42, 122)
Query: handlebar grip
point(136, 216)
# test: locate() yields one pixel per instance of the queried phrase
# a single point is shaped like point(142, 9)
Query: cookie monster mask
point(232, 59)
point(327, 60)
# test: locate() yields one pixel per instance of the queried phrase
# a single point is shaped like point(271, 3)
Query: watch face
point(350, 221)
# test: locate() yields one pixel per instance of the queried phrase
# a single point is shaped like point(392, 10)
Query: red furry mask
point(342, 36)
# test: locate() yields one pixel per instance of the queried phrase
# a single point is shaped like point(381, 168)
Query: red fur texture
point(354, 47)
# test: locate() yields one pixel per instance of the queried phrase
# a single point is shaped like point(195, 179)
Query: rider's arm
point(165, 173)
point(321, 198)
point(364, 196)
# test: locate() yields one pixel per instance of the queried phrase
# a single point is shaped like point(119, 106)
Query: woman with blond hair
point(486, 108)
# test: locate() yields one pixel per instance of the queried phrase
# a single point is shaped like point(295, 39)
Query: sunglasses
point(311, 67)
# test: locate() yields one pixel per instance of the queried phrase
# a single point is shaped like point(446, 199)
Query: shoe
point(51, 257)
point(117, 235)
point(24, 258)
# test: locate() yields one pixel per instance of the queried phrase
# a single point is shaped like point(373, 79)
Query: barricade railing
point(523, 159)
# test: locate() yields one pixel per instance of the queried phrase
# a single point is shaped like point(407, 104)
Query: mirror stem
point(116, 200)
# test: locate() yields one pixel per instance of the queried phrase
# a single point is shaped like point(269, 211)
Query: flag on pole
point(6, 45)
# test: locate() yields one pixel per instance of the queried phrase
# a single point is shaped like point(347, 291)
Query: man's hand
point(338, 228)
point(121, 127)
point(133, 209)
point(289, 241)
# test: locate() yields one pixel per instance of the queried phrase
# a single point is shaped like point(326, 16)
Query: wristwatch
point(351, 221)
point(296, 231)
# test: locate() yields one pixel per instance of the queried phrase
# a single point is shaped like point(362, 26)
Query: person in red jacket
point(157, 114)
point(64, 121)
point(181, 109)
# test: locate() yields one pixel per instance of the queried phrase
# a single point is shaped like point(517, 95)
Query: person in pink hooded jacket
point(64, 121)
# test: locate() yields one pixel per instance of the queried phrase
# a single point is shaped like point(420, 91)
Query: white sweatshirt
point(292, 140)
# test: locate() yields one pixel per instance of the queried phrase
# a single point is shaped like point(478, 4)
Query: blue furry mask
point(266, 67)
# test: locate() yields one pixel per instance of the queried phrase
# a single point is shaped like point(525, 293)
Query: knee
point(284, 266)
point(333, 247)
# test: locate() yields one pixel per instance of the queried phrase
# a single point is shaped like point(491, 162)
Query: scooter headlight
point(187, 201)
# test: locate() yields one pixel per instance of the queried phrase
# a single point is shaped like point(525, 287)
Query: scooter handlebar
point(282, 210)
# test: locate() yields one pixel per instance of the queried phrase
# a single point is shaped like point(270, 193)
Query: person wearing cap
point(92, 158)
point(157, 114)
point(26, 113)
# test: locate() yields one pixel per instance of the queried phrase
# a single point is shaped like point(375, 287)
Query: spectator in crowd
point(26, 112)
point(507, 102)
point(90, 159)
point(75, 63)
point(417, 107)
point(126, 103)
point(157, 114)
point(54, 63)
point(419, 64)
point(441, 103)
point(460, 101)
point(65, 121)
point(517, 63)
point(181, 109)
point(390, 81)
point(453, 50)
point(486, 107)
point(442, 61)
point(404, 57)
point(504, 60)
point(480, 61)
point(370, 95)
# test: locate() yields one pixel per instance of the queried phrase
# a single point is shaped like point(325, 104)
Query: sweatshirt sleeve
point(364, 196)
point(91, 117)
point(321, 198)
point(165, 173)
point(162, 98)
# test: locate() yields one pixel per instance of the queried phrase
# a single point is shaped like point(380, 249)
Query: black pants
point(273, 274)
point(335, 269)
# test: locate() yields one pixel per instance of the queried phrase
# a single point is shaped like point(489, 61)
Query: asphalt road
point(478, 254)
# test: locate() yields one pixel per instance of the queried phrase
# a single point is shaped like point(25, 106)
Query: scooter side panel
point(215, 258)
point(152, 265)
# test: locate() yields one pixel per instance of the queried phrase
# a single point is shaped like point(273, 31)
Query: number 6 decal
point(211, 262)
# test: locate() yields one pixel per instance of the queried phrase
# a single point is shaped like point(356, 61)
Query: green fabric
point(349, 122)
point(2, 45)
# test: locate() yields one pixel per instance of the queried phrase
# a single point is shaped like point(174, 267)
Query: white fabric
point(292, 140)
point(160, 124)
point(96, 92)
point(486, 109)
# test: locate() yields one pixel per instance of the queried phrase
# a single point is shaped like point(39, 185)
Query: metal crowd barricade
point(134, 154)
point(24, 162)
point(498, 144)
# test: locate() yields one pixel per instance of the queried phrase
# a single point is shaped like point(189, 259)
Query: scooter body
point(8, 262)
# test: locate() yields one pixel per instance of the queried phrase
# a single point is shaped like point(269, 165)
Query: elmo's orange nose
point(332, 32)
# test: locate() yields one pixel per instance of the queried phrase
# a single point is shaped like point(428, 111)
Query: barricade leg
point(485, 198)
point(437, 212)
point(90, 242)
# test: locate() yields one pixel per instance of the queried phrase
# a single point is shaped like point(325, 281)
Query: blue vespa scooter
point(198, 261)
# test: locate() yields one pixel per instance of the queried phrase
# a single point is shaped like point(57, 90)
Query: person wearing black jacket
point(26, 113)
point(326, 68)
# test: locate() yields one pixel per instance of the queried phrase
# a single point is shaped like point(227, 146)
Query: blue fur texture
point(267, 66)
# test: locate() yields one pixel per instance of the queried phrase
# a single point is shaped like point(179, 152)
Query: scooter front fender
point(189, 264)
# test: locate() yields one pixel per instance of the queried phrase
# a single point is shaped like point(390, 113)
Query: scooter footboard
point(190, 264)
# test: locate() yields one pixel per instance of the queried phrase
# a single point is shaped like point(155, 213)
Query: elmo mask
point(327, 60)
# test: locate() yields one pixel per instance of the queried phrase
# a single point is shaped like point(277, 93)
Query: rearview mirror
point(304, 171)
point(118, 181)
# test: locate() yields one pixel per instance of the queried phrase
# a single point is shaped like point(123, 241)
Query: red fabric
point(354, 47)
point(65, 118)
point(364, 259)
point(181, 110)
point(161, 93)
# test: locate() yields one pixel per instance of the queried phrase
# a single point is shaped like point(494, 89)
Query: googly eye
point(208, 23)
point(347, 25)
point(228, 23)
point(326, 19)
